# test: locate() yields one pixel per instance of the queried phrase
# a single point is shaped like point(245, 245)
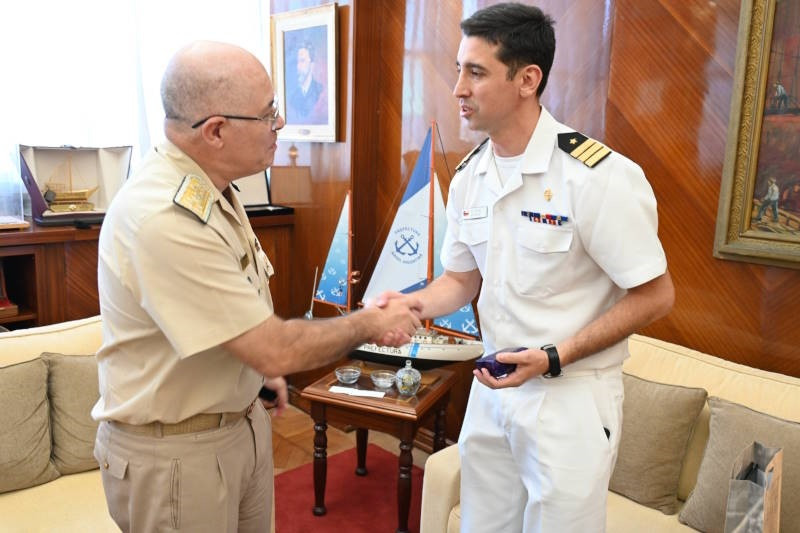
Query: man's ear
point(211, 131)
point(531, 77)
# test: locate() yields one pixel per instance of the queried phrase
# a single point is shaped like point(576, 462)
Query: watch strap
point(553, 361)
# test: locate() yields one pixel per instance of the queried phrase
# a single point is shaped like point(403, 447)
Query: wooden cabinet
point(51, 273)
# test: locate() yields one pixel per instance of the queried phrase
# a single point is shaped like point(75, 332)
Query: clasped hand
point(400, 317)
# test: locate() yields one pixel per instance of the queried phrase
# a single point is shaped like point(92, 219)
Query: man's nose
point(279, 123)
point(460, 88)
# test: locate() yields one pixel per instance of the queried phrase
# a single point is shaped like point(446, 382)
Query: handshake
point(393, 317)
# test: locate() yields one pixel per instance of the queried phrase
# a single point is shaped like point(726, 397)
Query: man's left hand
point(281, 389)
point(530, 363)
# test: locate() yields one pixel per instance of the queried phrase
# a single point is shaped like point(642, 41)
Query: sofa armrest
point(441, 489)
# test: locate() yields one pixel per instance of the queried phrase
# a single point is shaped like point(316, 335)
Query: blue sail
point(333, 282)
point(403, 263)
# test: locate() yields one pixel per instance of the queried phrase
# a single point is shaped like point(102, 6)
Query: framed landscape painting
point(758, 218)
point(304, 69)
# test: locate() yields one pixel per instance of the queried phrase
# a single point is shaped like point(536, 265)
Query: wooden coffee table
point(394, 414)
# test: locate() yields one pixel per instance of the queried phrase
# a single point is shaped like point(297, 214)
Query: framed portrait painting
point(758, 218)
point(304, 69)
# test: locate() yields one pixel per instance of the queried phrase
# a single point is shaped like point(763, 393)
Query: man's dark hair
point(525, 35)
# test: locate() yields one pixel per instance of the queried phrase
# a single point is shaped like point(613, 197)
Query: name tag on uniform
point(474, 212)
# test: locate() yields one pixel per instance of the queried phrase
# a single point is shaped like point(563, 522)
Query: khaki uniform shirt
point(173, 286)
point(557, 244)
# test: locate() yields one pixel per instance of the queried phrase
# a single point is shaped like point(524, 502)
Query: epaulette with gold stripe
point(586, 150)
point(195, 195)
point(470, 155)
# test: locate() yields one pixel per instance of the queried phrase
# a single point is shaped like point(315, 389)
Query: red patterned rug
point(355, 504)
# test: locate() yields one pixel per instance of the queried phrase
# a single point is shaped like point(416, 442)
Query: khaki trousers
point(216, 480)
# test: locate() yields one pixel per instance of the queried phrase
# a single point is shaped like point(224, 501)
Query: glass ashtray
point(348, 374)
point(383, 379)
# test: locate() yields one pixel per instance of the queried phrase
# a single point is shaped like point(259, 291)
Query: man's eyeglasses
point(271, 118)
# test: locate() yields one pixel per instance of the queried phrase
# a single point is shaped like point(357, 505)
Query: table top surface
point(435, 383)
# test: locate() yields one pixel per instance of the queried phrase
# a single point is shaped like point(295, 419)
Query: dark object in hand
point(267, 394)
point(496, 368)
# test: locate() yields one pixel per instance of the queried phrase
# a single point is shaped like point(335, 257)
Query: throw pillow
point(24, 427)
point(732, 428)
point(657, 422)
point(73, 391)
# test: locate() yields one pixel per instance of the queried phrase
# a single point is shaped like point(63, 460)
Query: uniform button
point(105, 465)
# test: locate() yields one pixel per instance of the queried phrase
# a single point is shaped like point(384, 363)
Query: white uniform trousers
point(538, 458)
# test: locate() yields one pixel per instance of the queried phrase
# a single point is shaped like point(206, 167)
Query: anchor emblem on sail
point(407, 242)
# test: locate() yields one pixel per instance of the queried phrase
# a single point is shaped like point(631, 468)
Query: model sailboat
point(410, 260)
point(60, 194)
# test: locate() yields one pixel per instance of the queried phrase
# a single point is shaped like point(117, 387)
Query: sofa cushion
point(656, 424)
point(768, 392)
point(24, 426)
point(732, 428)
point(73, 391)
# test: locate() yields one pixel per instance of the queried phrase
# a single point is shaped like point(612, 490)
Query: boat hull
point(422, 355)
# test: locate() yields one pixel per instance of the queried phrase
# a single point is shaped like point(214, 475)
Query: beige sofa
point(71, 502)
point(662, 362)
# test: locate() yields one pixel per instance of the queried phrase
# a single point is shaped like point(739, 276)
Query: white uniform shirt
point(542, 282)
point(172, 289)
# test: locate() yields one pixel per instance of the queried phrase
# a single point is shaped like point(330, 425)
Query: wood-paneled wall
point(651, 78)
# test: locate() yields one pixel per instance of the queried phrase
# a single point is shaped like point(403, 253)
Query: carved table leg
point(361, 451)
point(404, 486)
point(320, 459)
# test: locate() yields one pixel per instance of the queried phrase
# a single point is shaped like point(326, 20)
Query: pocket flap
point(473, 233)
point(544, 239)
point(111, 463)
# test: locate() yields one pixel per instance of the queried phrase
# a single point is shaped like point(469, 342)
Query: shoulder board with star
point(195, 195)
point(470, 155)
point(586, 150)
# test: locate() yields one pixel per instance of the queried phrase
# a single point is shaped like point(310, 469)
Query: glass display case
point(11, 211)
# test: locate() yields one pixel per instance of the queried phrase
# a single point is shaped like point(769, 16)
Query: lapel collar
point(535, 160)
point(540, 147)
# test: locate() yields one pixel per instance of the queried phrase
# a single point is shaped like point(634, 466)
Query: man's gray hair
point(196, 84)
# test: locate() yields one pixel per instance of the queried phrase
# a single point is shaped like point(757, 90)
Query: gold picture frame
point(751, 225)
point(304, 69)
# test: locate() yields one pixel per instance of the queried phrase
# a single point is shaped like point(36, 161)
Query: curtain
point(87, 72)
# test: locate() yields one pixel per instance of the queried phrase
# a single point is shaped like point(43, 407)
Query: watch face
point(497, 369)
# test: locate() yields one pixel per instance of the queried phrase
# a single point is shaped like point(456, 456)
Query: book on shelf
point(7, 308)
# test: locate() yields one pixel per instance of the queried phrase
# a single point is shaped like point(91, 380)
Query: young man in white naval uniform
point(189, 332)
point(563, 234)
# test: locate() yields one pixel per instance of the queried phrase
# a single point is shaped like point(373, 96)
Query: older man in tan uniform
point(189, 334)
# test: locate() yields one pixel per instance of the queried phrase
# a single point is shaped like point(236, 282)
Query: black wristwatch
point(554, 363)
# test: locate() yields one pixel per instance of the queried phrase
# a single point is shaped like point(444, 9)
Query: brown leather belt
point(193, 424)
